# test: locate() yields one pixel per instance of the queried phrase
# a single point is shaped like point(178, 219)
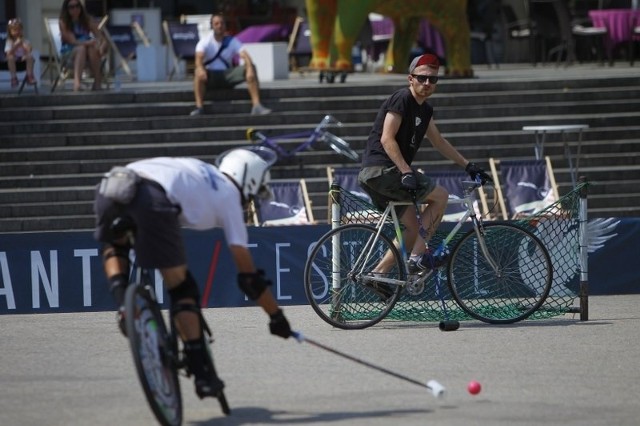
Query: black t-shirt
point(415, 120)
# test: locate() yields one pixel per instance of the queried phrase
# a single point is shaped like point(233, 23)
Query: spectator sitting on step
point(81, 39)
point(215, 69)
point(18, 49)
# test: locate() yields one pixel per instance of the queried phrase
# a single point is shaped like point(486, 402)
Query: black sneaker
point(208, 386)
point(384, 291)
point(120, 318)
point(427, 262)
point(197, 111)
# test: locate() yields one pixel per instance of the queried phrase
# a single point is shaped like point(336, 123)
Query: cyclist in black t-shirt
point(402, 122)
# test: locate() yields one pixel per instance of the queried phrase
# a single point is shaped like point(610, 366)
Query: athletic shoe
point(208, 386)
point(120, 318)
point(260, 110)
point(427, 262)
point(197, 111)
point(383, 290)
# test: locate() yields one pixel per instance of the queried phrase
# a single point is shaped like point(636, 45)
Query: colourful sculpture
point(340, 22)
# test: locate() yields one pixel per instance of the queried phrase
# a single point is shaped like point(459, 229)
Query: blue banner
point(62, 272)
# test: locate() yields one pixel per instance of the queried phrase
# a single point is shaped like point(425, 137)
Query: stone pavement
point(75, 369)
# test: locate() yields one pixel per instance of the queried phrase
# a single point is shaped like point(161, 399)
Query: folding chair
point(182, 40)
point(21, 66)
point(528, 186)
point(299, 47)
point(347, 178)
point(290, 205)
point(202, 21)
point(62, 65)
point(452, 182)
point(122, 44)
point(382, 30)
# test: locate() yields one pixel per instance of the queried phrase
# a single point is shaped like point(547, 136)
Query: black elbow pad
point(253, 284)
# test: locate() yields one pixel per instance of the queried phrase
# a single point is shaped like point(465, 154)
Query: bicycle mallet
point(436, 388)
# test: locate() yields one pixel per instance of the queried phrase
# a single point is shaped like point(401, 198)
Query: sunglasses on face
point(422, 79)
point(73, 6)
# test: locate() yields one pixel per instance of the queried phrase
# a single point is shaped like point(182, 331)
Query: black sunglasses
point(73, 5)
point(422, 79)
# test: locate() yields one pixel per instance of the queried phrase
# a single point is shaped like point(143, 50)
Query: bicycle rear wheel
point(153, 355)
point(337, 278)
point(340, 146)
point(515, 289)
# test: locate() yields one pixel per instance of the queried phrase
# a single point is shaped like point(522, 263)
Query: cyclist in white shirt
point(175, 192)
point(214, 67)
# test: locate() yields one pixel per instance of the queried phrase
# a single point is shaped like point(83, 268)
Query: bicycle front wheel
point(507, 282)
point(338, 281)
point(153, 355)
point(340, 146)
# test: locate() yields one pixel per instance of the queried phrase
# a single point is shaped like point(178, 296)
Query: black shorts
point(383, 184)
point(158, 238)
point(226, 79)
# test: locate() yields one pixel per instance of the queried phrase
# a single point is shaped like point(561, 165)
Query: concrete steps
point(54, 149)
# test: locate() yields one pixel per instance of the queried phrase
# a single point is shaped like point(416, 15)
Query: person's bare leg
point(29, 60)
point(199, 88)
point(79, 62)
point(94, 63)
point(254, 89)
point(11, 63)
point(431, 217)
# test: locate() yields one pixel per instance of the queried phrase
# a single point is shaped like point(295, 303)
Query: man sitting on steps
point(215, 70)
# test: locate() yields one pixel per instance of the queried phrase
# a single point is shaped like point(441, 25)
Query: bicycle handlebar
point(327, 121)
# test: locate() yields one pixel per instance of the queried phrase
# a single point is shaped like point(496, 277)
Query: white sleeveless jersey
point(207, 198)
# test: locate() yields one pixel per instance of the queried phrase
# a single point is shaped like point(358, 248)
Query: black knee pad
point(187, 289)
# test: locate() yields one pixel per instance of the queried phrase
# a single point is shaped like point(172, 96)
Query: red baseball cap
point(426, 59)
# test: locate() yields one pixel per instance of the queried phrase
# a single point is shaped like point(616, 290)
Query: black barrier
point(62, 272)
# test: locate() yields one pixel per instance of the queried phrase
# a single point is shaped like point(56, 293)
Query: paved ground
point(75, 369)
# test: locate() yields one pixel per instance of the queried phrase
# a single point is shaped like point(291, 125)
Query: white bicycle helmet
point(249, 169)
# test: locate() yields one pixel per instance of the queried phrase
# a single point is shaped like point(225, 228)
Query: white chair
point(202, 21)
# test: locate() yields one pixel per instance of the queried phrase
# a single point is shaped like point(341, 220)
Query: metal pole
point(584, 254)
point(334, 193)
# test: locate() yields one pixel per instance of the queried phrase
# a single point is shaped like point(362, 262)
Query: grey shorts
point(226, 79)
point(158, 238)
point(383, 185)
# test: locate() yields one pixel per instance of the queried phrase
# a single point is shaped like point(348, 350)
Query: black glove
point(408, 181)
point(279, 325)
point(475, 172)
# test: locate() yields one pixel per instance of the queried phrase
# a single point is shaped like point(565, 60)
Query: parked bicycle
point(157, 353)
point(497, 272)
point(319, 134)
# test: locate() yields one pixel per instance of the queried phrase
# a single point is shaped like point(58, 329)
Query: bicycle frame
point(355, 274)
point(390, 211)
point(311, 137)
